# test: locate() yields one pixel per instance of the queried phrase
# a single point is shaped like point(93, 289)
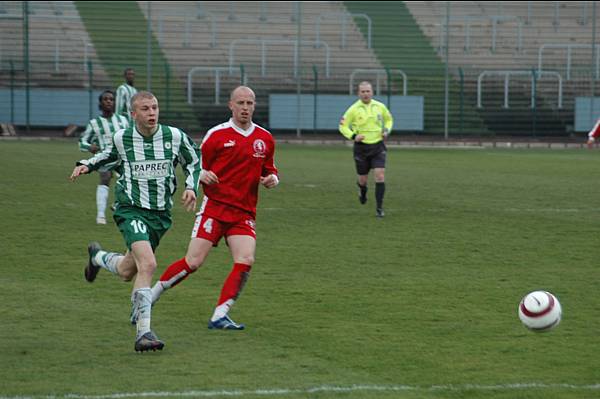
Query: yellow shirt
point(369, 120)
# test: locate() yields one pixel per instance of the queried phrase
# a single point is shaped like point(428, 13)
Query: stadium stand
point(524, 34)
point(201, 50)
point(241, 29)
point(59, 45)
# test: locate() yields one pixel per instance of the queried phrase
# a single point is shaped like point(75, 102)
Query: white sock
point(142, 304)
point(157, 290)
point(101, 199)
point(108, 260)
point(222, 310)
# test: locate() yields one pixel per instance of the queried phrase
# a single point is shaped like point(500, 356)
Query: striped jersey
point(148, 177)
point(100, 130)
point(123, 101)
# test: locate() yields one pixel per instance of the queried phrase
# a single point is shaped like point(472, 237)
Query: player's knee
point(246, 260)
point(148, 267)
point(105, 178)
point(194, 261)
point(126, 269)
point(127, 276)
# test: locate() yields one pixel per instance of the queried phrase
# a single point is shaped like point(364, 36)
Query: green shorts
point(137, 224)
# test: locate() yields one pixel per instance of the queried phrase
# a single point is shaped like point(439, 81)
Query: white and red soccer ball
point(540, 311)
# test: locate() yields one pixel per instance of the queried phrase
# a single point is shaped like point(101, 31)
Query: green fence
point(494, 70)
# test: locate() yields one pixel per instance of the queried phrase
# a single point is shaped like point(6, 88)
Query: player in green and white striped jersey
point(98, 133)
point(148, 153)
point(125, 93)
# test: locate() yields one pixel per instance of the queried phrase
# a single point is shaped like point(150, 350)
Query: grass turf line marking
point(326, 388)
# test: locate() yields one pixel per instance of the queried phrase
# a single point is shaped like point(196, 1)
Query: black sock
point(363, 189)
point(379, 192)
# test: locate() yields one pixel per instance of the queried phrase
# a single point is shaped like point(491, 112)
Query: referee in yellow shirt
point(368, 123)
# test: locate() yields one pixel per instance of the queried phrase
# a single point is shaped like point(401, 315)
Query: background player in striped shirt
point(98, 133)
point(237, 157)
point(125, 93)
point(148, 153)
point(594, 134)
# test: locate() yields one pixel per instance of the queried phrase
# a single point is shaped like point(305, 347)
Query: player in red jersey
point(594, 134)
point(237, 156)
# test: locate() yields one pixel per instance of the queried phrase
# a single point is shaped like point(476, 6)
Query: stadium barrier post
point(90, 88)
point(389, 87)
point(462, 99)
point(533, 99)
point(26, 61)
point(168, 88)
point(12, 93)
point(316, 90)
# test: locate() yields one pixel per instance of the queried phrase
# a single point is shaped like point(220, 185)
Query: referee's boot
point(379, 213)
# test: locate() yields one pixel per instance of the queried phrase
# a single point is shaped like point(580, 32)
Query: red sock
point(234, 283)
point(175, 273)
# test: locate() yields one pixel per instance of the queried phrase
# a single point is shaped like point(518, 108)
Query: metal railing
point(86, 56)
point(344, 17)
point(569, 48)
point(494, 19)
point(187, 26)
point(507, 75)
point(378, 73)
point(217, 71)
point(263, 52)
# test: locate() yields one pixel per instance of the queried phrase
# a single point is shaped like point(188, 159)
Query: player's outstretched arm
point(79, 170)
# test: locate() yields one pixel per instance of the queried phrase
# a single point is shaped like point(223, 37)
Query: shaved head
point(241, 103)
point(241, 89)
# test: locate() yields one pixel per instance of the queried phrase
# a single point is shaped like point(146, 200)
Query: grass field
point(421, 304)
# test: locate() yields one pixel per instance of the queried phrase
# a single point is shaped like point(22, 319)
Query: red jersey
point(239, 158)
point(595, 132)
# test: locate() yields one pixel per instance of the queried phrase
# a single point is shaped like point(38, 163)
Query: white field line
point(327, 388)
point(553, 210)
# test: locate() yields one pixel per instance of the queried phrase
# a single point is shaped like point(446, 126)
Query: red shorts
point(228, 222)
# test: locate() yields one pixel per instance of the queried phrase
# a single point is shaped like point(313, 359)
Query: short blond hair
point(138, 96)
point(364, 82)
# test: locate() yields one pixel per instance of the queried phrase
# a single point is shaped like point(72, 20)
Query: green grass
point(421, 304)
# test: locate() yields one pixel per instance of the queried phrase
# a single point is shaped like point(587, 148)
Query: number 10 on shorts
point(138, 227)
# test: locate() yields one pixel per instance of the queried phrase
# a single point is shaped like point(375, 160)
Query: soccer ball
point(540, 311)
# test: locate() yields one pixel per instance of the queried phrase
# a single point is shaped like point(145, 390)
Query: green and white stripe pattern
point(123, 101)
point(100, 130)
point(148, 170)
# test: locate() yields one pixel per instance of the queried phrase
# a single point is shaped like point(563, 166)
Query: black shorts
point(369, 156)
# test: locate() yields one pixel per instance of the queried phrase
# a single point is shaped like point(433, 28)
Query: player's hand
point(208, 177)
point(590, 143)
point(188, 200)
point(269, 181)
point(94, 148)
point(79, 170)
point(359, 138)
